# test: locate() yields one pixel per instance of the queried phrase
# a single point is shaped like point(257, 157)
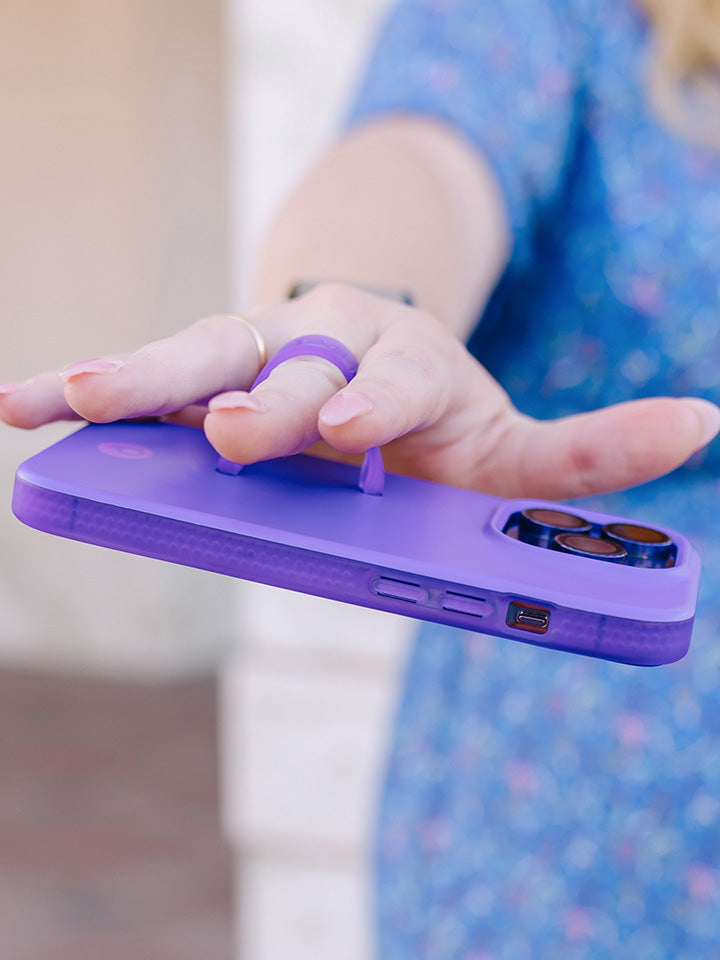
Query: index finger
point(35, 402)
point(214, 354)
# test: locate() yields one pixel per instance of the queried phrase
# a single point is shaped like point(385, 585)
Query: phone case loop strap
point(372, 472)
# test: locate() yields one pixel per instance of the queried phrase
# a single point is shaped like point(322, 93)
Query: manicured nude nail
point(96, 365)
point(344, 407)
point(11, 387)
point(709, 419)
point(237, 400)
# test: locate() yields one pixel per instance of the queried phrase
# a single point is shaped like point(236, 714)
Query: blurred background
point(147, 809)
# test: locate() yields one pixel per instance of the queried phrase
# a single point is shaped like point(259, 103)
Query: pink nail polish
point(344, 407)
point(11, 386)
point(96, 365)
point(237, 400)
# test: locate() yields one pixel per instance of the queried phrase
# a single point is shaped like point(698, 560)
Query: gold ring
point(256, 335)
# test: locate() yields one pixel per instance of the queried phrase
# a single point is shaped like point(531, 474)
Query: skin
point(402, 203)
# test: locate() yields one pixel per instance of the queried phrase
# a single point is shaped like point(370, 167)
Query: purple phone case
point(422, 549)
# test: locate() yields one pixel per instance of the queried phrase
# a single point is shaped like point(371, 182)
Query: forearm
point(404, 204)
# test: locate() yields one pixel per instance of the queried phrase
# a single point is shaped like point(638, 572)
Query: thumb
point(613, 448)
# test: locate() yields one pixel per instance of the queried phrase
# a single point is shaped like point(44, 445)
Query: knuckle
point(411, 366)
point(217, 327)
point(430, 324)
point(212, 320)
point(583, 462)
point(218, 330)
point(429, 370)
point(331, 295)
point(306, 370)
point(422, 333)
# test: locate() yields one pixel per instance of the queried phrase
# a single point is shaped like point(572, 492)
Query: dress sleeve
point(507, 74)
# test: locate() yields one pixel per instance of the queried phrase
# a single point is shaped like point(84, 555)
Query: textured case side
point(314, 505)
point(162, 538)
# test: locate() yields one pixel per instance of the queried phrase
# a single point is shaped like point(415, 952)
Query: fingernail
point(709, 418)
point(97, 365)
point(237, 400)
point(11, 386)
point(344, 407)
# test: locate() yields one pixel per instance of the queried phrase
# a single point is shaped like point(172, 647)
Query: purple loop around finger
point(372, 473)
point(312, 345)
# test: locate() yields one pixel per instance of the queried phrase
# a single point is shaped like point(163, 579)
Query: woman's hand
point(418, 393)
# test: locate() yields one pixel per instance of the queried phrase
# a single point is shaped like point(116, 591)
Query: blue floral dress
point(541, 806)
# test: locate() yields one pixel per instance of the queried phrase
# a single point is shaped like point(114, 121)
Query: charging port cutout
point(527, 616)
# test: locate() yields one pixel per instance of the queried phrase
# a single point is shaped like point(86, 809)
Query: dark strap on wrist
point(305, 286)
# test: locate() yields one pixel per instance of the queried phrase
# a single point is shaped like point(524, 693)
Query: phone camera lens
point(539, 525)
point(644, 546)
point(583, 545)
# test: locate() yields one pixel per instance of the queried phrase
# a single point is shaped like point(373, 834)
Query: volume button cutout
point(458, 603)
point(399, 590)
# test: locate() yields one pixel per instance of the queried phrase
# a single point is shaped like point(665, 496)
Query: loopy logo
point(125, 451)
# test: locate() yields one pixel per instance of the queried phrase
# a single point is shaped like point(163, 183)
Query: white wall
point(102, 249)
point(293, 67)
point(308, 697)
point(112, 232)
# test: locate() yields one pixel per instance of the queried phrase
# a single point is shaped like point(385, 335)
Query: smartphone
point(527, 570)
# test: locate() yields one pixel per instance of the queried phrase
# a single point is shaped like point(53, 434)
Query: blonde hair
point(685, 73)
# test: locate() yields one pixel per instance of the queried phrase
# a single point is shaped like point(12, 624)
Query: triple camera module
point(617, 542)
